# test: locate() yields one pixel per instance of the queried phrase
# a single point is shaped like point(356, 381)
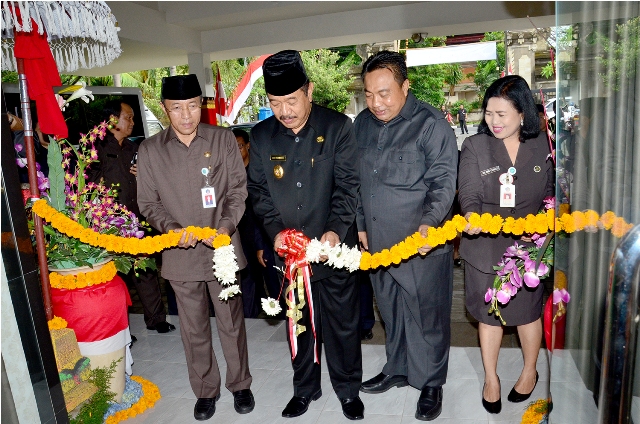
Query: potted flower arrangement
point(85, 288)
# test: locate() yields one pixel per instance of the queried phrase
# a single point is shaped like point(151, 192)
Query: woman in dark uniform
point(508, 142)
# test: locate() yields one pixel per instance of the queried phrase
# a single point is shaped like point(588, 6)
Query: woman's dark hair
point(385, 59)
point(242, 134)
point(516, 90)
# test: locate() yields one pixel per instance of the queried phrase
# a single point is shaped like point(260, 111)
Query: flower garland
point(57, 323)
point(150, 395)
point(83, 279)
point(536, 412)
point(492, 224)
point(130, 245)
point(225, 266)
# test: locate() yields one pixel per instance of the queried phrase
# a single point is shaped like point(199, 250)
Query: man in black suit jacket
point(302, 176)
point(408, 158)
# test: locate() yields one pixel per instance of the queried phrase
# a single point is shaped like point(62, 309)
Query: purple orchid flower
point(513, 250)
point(531, 279)
point(543, 269)
point(538, 240)
point(503, 296)
point(561, 296)
point(488, 297)
point(515, 279)
point(549, 202)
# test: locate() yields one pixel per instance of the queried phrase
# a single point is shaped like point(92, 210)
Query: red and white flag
point(241, 93)
point(220, 100)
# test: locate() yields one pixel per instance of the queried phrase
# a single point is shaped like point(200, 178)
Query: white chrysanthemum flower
point(229, 292)
point(225, 265)
point(271, 306)
point(352, 259)
point(315, 249)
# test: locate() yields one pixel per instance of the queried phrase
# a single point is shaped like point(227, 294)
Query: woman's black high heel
point(516, 397)
point(492, 407)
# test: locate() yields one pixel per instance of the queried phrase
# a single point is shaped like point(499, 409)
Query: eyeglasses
point(177, 109)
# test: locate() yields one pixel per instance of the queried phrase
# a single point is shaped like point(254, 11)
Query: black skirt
point(524, 308)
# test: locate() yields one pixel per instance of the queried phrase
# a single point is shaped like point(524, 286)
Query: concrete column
point(200, 64)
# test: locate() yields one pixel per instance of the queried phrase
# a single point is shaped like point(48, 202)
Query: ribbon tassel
point(298, 273)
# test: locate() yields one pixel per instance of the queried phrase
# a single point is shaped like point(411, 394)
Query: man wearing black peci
point(302, 176)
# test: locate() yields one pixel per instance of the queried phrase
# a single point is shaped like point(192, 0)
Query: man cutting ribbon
point(302, 176)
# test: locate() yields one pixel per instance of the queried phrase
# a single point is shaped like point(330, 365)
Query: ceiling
point(163, 33)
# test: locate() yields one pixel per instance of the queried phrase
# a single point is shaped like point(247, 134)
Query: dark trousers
point(148, 288)
point(195, 329)
point(463, 126)
point(367, 315)
point(418, 327)
point(336, 302)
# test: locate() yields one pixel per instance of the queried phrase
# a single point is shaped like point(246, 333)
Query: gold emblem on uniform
point(278, 171)
point(320, 139)
point(207, 154)
point(278, 157)
point(536, 168)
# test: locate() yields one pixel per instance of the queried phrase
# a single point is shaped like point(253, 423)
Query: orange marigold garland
point(82, 279)
point(567, 221)
point(57, 323)
point(536, 412)
point(112, 243)
point(150, 395)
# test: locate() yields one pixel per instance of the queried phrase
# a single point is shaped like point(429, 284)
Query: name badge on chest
point(208, 193)
point(208, 197)
point(507, 191)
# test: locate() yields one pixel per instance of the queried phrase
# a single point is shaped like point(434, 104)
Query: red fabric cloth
point(42, 75)
point(208, 116)
point(95, 312)
point(549, 308)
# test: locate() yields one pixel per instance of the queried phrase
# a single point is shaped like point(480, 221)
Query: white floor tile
point(160, 358)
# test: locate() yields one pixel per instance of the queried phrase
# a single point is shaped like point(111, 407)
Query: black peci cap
point(284, 73)
point(180, 87)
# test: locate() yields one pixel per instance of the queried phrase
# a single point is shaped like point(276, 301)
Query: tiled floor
point(160, 358)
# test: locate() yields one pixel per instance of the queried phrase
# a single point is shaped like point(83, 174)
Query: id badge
point(507, 196)
point(208, 197)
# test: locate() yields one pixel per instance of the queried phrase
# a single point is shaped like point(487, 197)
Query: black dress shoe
point(381, 383)
point(516, 397)
point(298, 405)
point(133, 340)
point(205, 408)
point(491, 407)
point(353, 408)
point(429, 403)
point(457, 262)
point(162, 327)
point(243, 401)
point(366, 334)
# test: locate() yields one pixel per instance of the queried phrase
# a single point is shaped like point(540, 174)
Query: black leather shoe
point(162, 327)
point(205, 408)
point(366, 334)
point(429, 403)
point(133, 340)
point(516, 397)
point(381, 383)
point(457, 262)
point(243, 401)
point(491, 407)
point(298, 405)
point(353, 408)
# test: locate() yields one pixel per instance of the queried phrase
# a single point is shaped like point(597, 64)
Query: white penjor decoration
point(81, 34)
